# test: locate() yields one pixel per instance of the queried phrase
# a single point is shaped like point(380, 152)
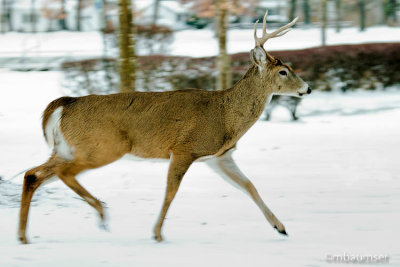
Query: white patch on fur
point(269, 98)
point(133, 157)
point(303, 89)
point(227, 161)
point(205, 159)
point(55, 138)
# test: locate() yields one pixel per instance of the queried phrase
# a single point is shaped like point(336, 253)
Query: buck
point(182, 126)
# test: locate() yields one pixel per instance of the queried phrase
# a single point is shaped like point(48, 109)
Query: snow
point(332, 178)
point(196, 43)
point(61, 43)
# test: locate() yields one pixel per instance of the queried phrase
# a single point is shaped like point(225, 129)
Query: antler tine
point(258, 40)
point(255, 34)
point(283, 30)
point(265, 36)
point(265, 22)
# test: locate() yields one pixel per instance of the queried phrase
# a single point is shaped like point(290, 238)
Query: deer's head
point(281, 76)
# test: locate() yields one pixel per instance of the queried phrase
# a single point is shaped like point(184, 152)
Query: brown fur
point(59, 102)
point(182, 126)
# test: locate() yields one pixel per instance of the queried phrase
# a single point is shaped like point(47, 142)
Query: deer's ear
point(258, 56)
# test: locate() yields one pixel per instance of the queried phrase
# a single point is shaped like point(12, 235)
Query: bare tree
point(107, 30)
point(126, 46)
point(220, 9)
point(361, 8)
point(79, 7)
point(3, 16)
point(224, 79)
point(33, 17)
point(293, 6)
point(155, 13)
point(306, 10)
point(9, 12)
point(323, 22)
point(63, 16)
point(338, 17)
point(55, 13)
point(392, 10)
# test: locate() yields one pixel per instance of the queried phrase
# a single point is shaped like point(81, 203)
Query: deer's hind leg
point(33, 179)
point(67, 172)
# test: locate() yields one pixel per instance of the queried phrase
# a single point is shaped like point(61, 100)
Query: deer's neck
point(246, 100)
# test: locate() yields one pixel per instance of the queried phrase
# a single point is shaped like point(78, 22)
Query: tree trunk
point(293, 6)
point(380, 11)
point(393, 6)
point(9, 15)
point(78, 15)
point(323, 23)
point(361, 6)
point(3, 16)
point(306, 9)
point(104, 31)
point(224, 80)
point(63, 24)
point(126, 46)
point(33, 16)
point(155, 12)
point(338, 15)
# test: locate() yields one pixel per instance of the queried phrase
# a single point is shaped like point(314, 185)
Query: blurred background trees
point(127, 67)
point(224, 79)
point(223, 12)
point(147, 28)
point(85, 15)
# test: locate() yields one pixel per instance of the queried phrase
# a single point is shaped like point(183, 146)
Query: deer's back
point(146, 124)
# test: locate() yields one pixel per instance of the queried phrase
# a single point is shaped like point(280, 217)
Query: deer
point(182, 126)
point(289, 102)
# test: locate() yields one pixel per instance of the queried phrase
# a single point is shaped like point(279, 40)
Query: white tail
point(182, 126)
point(55, 138)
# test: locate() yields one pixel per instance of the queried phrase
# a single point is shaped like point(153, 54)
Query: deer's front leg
point(227, 168)
point(177, 169)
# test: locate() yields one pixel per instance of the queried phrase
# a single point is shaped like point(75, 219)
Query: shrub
point(91, 76)
point(347, 67)
point(153, 39)
point(342, 67)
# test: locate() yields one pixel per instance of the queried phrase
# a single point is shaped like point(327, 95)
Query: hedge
point(341, 67)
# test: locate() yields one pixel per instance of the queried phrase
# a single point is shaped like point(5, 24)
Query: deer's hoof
point(23, 240)
point(104, 226)
point(283, 231)
point(158, 238)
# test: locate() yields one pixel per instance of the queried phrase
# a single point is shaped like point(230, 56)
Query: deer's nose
point(309, 90)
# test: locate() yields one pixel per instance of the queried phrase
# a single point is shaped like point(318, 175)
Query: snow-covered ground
point(333, 179)
point(196, 43)
point(60, 43)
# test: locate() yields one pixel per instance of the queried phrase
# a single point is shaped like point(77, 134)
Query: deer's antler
point(279, 32)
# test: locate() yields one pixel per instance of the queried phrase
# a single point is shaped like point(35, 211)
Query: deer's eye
point(283, 72)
